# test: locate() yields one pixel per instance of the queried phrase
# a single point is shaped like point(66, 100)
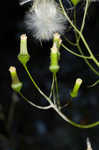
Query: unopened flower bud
point(54, 67)
point(75, 2)
point(23, 56)
point(75, 90)
point(16, 84)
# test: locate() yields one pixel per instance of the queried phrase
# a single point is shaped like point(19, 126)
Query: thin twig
point(37, 106)
point(72, 52)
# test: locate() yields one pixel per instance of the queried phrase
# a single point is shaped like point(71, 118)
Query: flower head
point(16, 84)
point(23, 56)
point(74, 92)
point(44, 19)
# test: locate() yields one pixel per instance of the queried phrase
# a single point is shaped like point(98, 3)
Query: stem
point(54, 95)
point(76, 35)
point(36, 86)
point(67, 17)
point(70, 51)
point(31, 103)
point(70, 42)
point(87, 62)
point(52, 87)
point(80, 34)
point(73, 123)
point(77, 41)
point(94, 84)
point(57, 92)
point(90, 52)
point(84, 18)
point(56, 108)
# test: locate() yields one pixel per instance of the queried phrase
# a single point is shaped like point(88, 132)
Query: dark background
point(30, 128)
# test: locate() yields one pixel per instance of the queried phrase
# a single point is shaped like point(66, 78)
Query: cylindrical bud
point(75, 2)
point(54, 67)
point(76, 87)
point(16, 84)
point(55, 54)
point(23, 56)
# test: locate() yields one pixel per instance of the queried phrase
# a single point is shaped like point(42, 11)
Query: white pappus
point(44, 19)
point(22, 2)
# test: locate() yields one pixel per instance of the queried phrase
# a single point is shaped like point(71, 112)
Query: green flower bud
point(55, 54)
point(75, 90)
point(54, 67)
point(75, 2)
point(23, 56)
point(16, 84)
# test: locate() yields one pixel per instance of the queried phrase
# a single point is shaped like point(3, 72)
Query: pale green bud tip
point(12, 69)
point(88, 145)
point(75, 2)
point(78, 82)
point(23, 55)
point(23, 37)
point(54, 49)
point(23, 44)
point(75, 90)
point(56, 36)
point(57, 40)
point(16, 84)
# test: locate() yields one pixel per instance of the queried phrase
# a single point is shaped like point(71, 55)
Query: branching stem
point(80, 34)
point(34, 105)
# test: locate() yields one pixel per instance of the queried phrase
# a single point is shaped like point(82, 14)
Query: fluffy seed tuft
point(44, 19)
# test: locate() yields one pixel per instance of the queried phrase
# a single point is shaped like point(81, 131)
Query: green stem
point(90, 52)
point(70, 51)
point(57, 92)
point(73, 123)
point(80, 34)
point(76, 35)
point(56, 108)
point(94, 84)
point(77, 41)
point(37, 87)
point(70, 42)
point(54, 94)
point(87, 62)
point(31, 103)
point(84, 18)
point(52, 87)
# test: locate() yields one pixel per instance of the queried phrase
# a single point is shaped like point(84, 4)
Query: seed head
point(44, 19)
